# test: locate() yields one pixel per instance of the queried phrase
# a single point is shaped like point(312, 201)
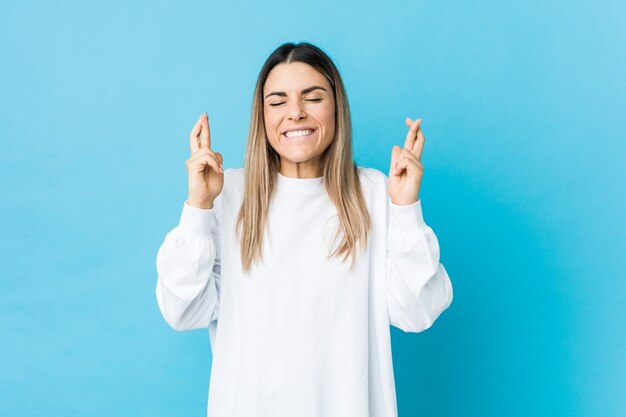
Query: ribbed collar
point(299, 185)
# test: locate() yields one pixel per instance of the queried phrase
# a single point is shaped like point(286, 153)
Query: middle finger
point(410, 136)
point(418, 147)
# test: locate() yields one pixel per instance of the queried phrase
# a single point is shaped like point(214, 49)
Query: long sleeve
point(188, 268)
point(418, 286)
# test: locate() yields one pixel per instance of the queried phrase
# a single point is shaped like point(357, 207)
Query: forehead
point(294, 76)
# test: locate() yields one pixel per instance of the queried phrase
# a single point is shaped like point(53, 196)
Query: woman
point(261, 253)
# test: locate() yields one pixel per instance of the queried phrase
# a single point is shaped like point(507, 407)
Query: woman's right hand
point(204, 167)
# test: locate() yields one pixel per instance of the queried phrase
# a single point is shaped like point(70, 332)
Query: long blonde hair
point(340, 175)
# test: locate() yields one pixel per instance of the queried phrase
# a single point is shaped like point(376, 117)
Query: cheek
point(329, 121)
point(271, 124)
point(329, 116)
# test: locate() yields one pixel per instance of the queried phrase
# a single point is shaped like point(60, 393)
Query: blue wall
point(522, 106)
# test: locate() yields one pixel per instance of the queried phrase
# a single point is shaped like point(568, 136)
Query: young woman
point(298, 262)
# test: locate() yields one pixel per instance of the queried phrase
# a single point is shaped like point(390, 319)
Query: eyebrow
point(305, 91)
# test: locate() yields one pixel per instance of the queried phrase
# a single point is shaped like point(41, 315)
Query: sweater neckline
point(300, 185)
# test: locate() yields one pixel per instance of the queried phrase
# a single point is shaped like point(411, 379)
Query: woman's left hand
point(405, 173)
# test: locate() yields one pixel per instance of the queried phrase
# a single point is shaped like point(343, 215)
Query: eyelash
point(312, 99)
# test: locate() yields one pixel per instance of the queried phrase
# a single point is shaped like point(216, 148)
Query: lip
point(299, 128)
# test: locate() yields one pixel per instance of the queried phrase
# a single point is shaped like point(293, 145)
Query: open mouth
point(295, 134)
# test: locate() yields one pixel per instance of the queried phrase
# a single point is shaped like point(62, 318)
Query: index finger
point(205, 134)
point(193, 136)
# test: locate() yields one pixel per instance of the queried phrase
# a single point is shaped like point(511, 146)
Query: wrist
point(403, 202)
point(201, 205)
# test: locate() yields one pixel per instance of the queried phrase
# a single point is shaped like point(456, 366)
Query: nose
point(296, 112)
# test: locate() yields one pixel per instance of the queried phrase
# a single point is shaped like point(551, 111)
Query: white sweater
point(301, 335)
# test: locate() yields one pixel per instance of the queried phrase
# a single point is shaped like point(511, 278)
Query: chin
point(297, 157)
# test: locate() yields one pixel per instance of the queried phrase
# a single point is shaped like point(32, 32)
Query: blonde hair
point(340, 175)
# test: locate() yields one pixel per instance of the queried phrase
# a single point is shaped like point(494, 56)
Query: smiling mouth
point(295, 134)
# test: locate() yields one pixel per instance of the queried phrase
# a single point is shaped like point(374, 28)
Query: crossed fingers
point(200, 142)
point(200, 136)
point(414, 141)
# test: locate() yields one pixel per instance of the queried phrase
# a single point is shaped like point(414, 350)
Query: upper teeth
point(298, 133)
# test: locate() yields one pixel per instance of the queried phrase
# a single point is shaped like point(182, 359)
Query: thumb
point(395, 153)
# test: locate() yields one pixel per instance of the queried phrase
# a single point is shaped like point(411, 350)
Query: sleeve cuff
point(407, 216)
point(196, 222)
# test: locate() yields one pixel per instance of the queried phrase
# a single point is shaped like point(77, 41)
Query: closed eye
point(310, 99)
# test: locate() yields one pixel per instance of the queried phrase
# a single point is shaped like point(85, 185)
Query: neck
point(306, 169)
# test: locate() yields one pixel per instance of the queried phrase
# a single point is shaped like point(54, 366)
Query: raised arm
point(188, 261)
point(418, 286)
point(189, 270)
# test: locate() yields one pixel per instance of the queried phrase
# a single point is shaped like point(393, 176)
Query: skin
point(406, 170)
point(299, 157)
point(302, 158)
point(204, 167)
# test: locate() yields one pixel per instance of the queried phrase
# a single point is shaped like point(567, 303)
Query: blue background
point(522, 106)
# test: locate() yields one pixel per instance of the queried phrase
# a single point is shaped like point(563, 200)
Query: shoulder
point(234, 176)
point(232, 190)
point(374, 188)
point(372, 178)
point(373, 185)
point(234, 182)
